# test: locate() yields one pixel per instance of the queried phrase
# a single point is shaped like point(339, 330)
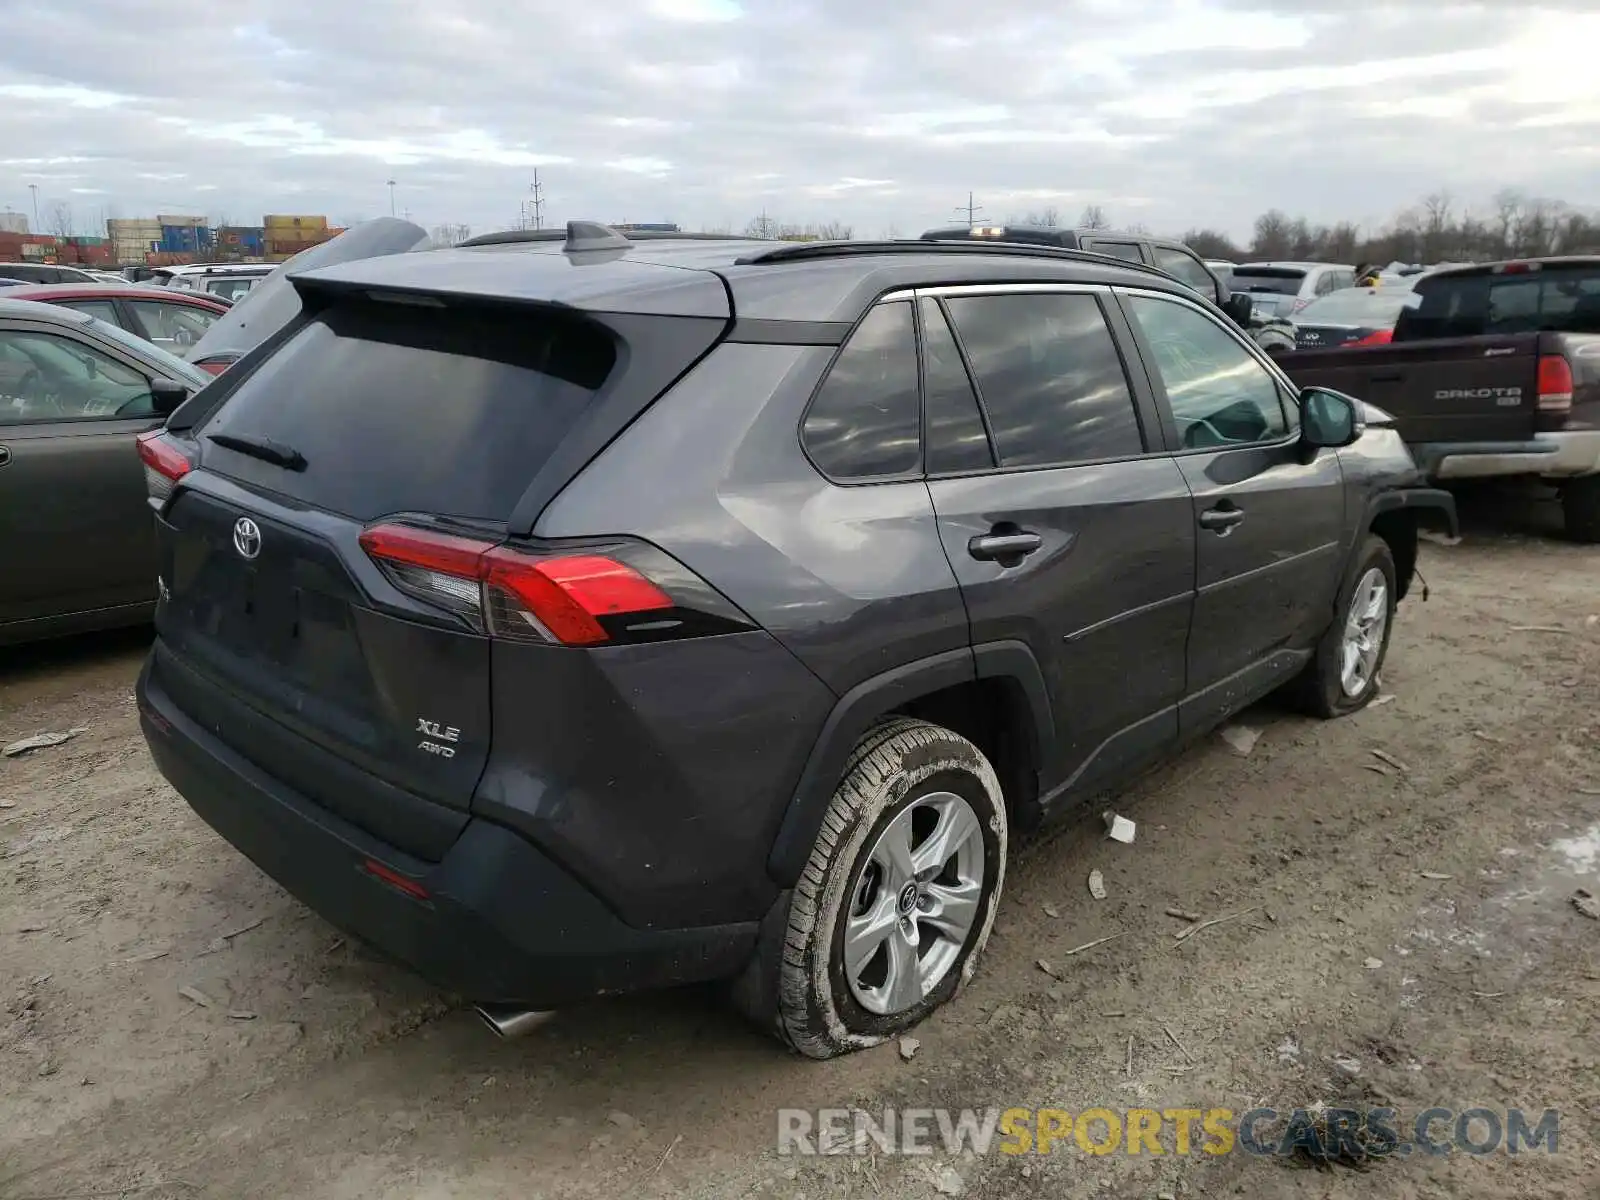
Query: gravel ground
point(1411, 923)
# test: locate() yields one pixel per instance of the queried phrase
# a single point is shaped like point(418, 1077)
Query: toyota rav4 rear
point(517, 765)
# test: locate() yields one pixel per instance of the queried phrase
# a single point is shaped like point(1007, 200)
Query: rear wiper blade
point(265, 449)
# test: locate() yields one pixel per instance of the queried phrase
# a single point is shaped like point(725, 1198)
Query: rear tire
point(1342, 677)
point(897, 899)
point(1580, 508)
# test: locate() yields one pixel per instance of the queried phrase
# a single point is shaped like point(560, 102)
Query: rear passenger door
point(1066, 521)
point(1269, 519)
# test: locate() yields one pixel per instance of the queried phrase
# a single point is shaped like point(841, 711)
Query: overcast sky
point(1174, 113)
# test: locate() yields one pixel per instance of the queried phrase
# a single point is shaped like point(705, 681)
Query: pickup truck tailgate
point(1451, 390)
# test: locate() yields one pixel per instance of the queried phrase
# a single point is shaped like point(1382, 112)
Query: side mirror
point(1239, 308)
point(166, 395)
point(1329, 418)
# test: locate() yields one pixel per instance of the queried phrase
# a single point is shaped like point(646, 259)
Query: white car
point(1281, 289)
point(229, 281)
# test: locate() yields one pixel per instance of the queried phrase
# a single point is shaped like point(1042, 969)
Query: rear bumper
point(500, 922)
point(1552, 455)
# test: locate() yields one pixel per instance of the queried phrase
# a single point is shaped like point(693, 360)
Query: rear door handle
point(1220, 520)
point(992, 547)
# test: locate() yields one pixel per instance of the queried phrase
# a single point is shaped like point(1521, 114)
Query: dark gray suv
point(572, 617)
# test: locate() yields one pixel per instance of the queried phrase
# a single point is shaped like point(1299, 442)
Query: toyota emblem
point(246, 537)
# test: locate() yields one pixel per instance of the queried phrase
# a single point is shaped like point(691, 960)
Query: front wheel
point(900, 892)
point(1343, 675)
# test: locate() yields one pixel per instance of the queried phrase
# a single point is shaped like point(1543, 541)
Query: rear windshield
point(398, 408)
point(1353, 306)
point(1565, 299)
point(1282, 281)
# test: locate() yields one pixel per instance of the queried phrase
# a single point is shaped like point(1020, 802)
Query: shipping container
point(13, 222)
point(278, 221)
point(135, 228)
point(193, 222)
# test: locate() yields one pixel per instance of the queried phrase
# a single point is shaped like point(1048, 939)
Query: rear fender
point(863, 705)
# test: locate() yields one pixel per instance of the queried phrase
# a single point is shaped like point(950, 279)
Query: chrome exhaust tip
point(508, 1022)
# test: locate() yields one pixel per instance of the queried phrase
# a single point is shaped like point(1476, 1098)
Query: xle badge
point(434, 735)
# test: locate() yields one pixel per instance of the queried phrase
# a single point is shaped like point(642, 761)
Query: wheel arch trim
point(856, 711)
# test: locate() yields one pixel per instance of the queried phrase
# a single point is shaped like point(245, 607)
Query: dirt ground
point(315, 1071)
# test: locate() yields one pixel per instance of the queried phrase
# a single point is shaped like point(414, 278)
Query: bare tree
point(449, 235)
point(722, 229)
point(1093, 217)
point(763, 227)
point(1212, 243)
point(1508, 204)
point(59, 219)
point(1272, 235)
point(890, 232)
point(1435, 220)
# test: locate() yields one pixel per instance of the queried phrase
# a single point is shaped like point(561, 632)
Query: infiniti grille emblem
point(246, 537)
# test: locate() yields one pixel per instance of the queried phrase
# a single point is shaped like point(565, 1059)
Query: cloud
point(1173, 113)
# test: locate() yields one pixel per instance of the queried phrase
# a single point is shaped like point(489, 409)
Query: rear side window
point(1049, 376)
point(398, 409)
point(866, 421)
point(957, 440)
point(1474, 305)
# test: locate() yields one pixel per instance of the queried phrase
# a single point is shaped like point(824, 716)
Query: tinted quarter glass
point(866, 421)
point(1219, 394)
point(1049, 376)
point(957, 440)
point(104, 310)
point(401, 410)
point(1124, 250)
point(1181, 266)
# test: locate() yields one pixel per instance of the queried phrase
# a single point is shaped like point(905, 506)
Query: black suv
point(572, 617)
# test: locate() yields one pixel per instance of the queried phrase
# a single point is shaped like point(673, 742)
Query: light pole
point(34, 188)
point(391, 197)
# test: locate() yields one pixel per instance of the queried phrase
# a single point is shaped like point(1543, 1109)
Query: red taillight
point(164, 463)
point(401, 883)
point(515, 595)
point(1555, 384)
point(1378, 337)
point(1514, 268)
point(216, 365)
point(1298, 305)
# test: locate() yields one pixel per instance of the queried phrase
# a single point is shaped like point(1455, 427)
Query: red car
point(173, 320)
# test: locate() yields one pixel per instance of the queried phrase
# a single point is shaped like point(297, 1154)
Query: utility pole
point(34, 188)
point(391, 197)
point(971, 208)
point(537, 203)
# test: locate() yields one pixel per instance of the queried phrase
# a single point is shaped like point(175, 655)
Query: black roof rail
point(512, 236)
point(801, 251)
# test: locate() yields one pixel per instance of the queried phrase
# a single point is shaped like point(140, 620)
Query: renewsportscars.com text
point(1325, 1132)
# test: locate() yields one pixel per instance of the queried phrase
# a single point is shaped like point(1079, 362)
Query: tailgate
point(1455, 390)
point(378, 716)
